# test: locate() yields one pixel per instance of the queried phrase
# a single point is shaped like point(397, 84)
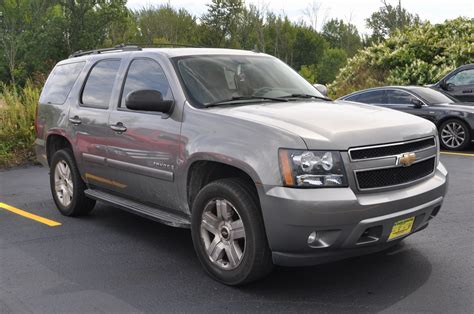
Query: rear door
point(461, 85)
point(88, 121)
point(144, 149)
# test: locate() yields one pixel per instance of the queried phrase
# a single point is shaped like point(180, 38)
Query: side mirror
point(417, 103)
point(446, 86)
point(147, 100)
point(321, 88)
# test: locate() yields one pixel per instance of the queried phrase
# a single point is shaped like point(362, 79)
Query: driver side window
point(462, 78)
point(146, 74)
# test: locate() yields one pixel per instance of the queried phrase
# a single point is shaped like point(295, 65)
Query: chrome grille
point(391, 149)
point(378, 166)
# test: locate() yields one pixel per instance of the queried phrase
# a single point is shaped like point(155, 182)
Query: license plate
point(401, 228)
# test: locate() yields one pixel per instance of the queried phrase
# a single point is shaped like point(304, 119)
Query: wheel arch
point(203, 171)
point(55, 142)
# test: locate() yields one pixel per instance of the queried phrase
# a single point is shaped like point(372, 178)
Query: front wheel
point(228, 232)
point(454, 135)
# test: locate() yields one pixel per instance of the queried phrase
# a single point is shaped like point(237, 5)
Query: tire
point(454, 134)
point(236, 202)
point(63, 170)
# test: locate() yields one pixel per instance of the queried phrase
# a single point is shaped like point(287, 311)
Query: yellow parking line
point(458, 154)
point(28, 215)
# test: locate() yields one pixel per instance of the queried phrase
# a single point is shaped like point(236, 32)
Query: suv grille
point(390, 150)
point(379, 178)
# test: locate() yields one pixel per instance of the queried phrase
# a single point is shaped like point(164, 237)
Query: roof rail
point(121, 47)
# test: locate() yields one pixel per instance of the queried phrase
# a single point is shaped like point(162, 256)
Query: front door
point(461, 85)
point(145, 145)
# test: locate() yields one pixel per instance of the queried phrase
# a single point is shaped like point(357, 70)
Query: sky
point(355, 11)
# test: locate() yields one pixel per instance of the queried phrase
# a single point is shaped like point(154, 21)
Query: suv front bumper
point(346, 224)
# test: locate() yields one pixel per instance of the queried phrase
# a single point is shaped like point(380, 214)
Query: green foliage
point(165, 24)
point(342, 35)
point(221, 23)
point(333, 59)
point(421, 54)
point(388, 19)
point(17, 114)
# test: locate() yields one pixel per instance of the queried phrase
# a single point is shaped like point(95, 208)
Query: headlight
point(302, 168)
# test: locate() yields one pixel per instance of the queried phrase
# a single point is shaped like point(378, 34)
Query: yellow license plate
point(401, 228)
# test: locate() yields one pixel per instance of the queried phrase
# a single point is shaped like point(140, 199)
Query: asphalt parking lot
point(113, 261)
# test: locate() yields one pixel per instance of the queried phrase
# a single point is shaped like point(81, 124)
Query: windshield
point(210, 79)
point(433, 97)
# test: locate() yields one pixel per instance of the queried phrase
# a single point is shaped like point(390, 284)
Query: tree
point(86, 21)
point(389, 18)
point(418, 55)
point(221, 23)
point(164, 23)
point(309, 47)
point(332, 60)
point(342, 35)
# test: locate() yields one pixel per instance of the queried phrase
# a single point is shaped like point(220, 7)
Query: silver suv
point(238, 147)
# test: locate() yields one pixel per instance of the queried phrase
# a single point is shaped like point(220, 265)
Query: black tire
point(79, 204)
point(466, 130)
point(256, 261)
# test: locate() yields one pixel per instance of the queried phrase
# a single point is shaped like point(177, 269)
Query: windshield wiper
point(237, 98)
point(306, 96)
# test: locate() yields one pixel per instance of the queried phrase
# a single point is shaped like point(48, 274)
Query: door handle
point(75, 120)
point(467, 91)
point(119, 127)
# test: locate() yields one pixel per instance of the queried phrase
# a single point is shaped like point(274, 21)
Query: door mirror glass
point(321, 88)
point(416, 103)
point(147, 100)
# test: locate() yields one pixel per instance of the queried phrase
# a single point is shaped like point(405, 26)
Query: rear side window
point(60, 83)
point(100, 84)
point(373, 97)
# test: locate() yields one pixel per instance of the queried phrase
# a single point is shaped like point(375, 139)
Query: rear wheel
point(67, 186)
point(228, 232)
point(454, 135)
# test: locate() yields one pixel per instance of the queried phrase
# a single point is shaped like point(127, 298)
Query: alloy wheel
point(63, 184)
point(223, 234)
point(453, 135)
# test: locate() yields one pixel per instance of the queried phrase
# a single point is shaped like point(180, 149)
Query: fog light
point(323, 239)
point(312, 237)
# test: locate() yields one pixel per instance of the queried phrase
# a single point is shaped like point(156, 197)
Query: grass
point(17, 132)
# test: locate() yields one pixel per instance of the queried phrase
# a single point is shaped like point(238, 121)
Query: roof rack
point(121, 47)
point(128, 47)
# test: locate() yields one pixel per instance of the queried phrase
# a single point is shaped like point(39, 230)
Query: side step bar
point(156, 214)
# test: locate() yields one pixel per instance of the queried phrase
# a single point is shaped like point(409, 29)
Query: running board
point(156, 214)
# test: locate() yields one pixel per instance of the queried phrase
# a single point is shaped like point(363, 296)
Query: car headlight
point(301, 168)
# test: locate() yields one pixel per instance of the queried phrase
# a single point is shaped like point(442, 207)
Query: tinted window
point(146, 74)
point(373, 97)
point(398, 97)
point(465, 77)
point(60, 83)
point(432, 96)
point(210, 79)
point(100, 83)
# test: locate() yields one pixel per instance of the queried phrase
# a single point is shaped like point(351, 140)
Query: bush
point(421, 54)
point(17, 114)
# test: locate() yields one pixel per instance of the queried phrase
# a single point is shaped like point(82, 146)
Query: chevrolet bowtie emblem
point(406, 159)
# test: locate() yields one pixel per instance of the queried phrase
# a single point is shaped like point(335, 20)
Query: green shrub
point(418, 55)
point(17, 114)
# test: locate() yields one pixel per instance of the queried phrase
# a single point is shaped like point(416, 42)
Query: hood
point(334, 125)
point(459, 106)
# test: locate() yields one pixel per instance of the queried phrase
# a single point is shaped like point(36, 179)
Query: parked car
point(458, 84)
point(454, 120)
point(241, 149)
